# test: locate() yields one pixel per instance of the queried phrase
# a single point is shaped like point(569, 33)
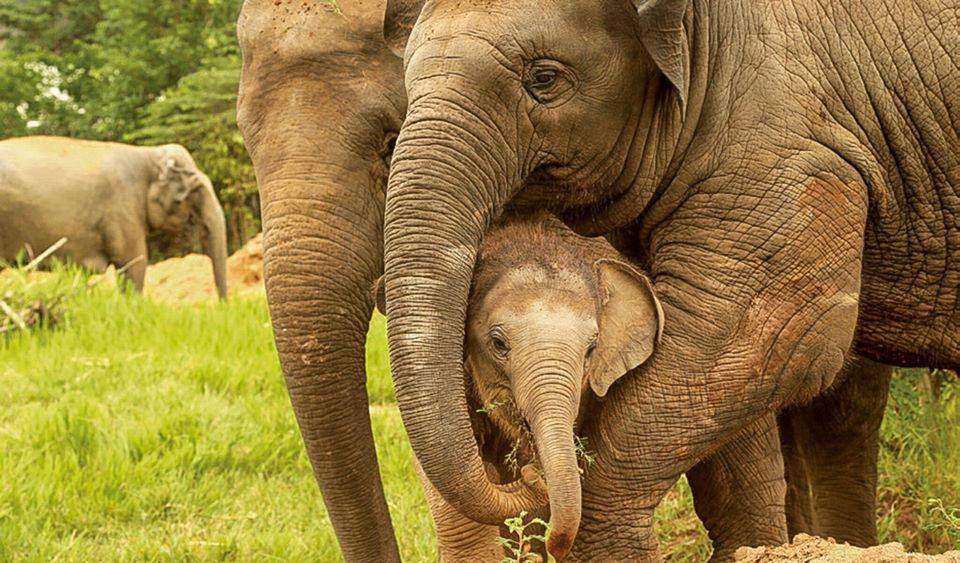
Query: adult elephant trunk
point(320, 161)
point(430, 251)
point(214, 238)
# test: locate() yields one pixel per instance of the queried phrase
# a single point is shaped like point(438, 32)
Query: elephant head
point(500, 97)
point(552, 317)
point(179, 193)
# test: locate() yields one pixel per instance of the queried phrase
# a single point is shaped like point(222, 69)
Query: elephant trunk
point(430, 252)
point(548, 395)
point(322, 254)
point(214, 239)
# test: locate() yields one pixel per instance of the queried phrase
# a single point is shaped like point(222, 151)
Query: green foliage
point(89, 68)
point(919, 457)
point(34, 301)
point(523, 541)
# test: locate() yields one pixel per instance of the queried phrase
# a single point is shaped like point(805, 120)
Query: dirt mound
point(819, 550)
point(190, 279)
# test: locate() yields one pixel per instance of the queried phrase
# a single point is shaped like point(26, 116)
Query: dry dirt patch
point(190, 279)
point(810, 549)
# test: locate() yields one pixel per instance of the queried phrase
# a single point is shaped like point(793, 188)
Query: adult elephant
point(788, 168)
point(104, 198)
point(321, 100)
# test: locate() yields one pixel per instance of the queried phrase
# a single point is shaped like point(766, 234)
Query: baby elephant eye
point(590, 349)
point(499, 343)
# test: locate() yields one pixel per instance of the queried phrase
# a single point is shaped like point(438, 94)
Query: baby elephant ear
point(662, 33)
point(398, 21)
point(379, 296)
point(630, 323)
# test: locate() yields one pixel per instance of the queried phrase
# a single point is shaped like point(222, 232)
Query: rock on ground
point(810, 549)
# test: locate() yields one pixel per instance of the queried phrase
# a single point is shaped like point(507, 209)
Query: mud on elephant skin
point(105, 198)
point(776, 209)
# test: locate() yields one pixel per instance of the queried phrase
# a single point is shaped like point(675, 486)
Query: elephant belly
point(910, 298)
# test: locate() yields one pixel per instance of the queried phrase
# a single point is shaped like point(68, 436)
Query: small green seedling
point(521, 548)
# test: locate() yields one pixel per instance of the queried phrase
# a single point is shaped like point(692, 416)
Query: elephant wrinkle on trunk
point(547, 314)
point(129, 192)
point(320, 101)
point(787, 222)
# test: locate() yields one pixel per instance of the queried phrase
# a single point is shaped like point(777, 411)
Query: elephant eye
point(546, 81)
point(499, 343)
point(591, 349)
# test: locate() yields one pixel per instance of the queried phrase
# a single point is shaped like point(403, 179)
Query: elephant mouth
point(507, 444)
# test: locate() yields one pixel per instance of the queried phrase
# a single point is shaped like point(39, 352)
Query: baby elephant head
point(552, 314)
point(537, 337)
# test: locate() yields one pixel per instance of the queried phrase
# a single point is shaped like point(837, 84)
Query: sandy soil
point(190, 279)
point(819, 550)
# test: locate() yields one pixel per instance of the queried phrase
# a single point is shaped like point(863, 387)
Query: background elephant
point(789, 175)
point(104, 198)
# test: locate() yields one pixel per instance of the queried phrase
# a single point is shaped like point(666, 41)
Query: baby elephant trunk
point(551, 414)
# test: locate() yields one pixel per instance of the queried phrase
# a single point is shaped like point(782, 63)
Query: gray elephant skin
point(321, 102)
point(104, 198)
point(789, 171)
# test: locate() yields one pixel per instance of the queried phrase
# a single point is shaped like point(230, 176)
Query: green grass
point(138, 431)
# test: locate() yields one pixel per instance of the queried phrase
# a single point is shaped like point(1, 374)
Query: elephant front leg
point(830, 450)
point(761, 304)
point(739, 491)
point(458, 537)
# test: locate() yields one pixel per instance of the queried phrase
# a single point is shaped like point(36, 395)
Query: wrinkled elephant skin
point(788, 169)
point(320, 101)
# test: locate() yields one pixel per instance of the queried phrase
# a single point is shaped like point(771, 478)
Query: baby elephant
point(553, 320)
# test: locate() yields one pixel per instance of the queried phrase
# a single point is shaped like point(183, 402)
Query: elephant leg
point(136, 272)
point(130, 259)
point(739, 491)
point(458, 537)
point(831, 448)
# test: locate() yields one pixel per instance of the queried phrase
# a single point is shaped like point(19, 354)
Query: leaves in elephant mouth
point(585, 457)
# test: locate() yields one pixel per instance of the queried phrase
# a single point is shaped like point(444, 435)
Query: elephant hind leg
point(739, 491)
point(830, 449)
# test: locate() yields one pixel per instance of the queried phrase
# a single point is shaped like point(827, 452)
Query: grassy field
point(138, 431)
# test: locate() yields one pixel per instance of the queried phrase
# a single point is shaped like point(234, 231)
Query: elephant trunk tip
point(560, 542)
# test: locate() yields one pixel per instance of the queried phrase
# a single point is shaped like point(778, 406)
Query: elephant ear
point(172, 185)
point(663, 35)
point(398, 21)
point(630, 323)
